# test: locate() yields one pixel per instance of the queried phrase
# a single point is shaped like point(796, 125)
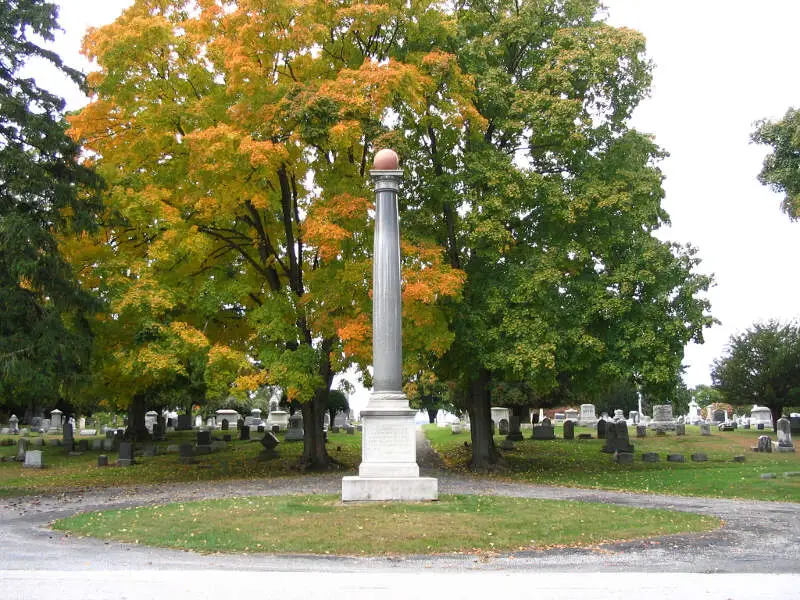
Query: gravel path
point(758, 537)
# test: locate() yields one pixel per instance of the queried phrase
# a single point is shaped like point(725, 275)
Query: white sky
point(720, 66)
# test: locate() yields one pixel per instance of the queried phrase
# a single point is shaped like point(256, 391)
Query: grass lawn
point(239, 460)
point(580, 463)
point(323, 525)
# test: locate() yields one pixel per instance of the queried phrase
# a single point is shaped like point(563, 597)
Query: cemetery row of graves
point(647, 454)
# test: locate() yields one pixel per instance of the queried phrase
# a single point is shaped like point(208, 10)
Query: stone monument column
point(388, 470)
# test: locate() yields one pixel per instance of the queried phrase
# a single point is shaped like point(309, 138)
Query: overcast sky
point(720, 65)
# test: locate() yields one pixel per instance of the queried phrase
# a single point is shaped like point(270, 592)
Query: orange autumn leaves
point(231, 136)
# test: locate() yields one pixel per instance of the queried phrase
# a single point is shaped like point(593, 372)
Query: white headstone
point(33, 459)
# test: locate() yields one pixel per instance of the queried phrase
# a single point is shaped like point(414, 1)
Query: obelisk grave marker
point(388, 469)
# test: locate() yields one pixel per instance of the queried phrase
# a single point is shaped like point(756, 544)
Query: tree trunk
point(485, 456)
point(776, 414)
point(315, 455)
point(136, 431)
point(432, 412)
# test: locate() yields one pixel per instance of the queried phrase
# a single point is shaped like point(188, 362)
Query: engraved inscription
point(388, 442)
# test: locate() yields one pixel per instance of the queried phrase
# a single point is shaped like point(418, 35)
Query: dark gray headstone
point(203, 438)
point(760, 427)
point(270, 444)
point(641, 431)
point(699, 457)
point(227, 437)
point(239, 423)
point(569, 430)
point(260, 429)
point(125, 454)
point(244, 433)
point(675, 458)
point(184, 422)
point(738, 459)
point(623, 458)
point(186, 453)
point(545, 431)
point(102, 460)
point(650, 457)
point(601, 429)
point(224, 425)
point(514, 432)
point(83, 445)
point(617, 439)
point(503, 427)
point(276, 429)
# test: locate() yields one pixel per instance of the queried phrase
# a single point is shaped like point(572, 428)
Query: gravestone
point(718, 416)
point(784, 436)
point(760, 415)
point(587, 417)
point(186, 454)
point(239, 423)
point(680, 429)
point(68, 439)
point(149, 450)
point(617, 439)
point(224, 425)
point(795, 424)
point(675, 458)
point(760, 426)
point(260, 429)
point(569, 430)
point(705, 429)
point(623, 458)
point(33, 459)
point(184, 422)
point(503, 427)
point(633, 417)
point(270, 444)
point(699, 457)
point(571, 414)
point(602, 425)
point(764, 444)
point(125, 454)
point(102, 460)
point(544, 431)
point(650, 457)
point(295, 432)
point(641, 431)
point(83, 445)
point(97, 444)
point(662, 418)
point(277, 429)
point(244, 433)
point(350, 429)
point(456, 428)
point(108, 445)
point(13, 425)
point(514, 432)
point(619, 415)
point(334, 429)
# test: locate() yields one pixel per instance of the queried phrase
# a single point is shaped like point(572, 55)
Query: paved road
point(757, 538)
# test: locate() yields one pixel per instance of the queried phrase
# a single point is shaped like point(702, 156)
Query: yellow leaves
point(250, 382)
point(191, 336)
point(262, 154)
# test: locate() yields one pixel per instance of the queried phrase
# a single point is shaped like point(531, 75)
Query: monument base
point(363, 489)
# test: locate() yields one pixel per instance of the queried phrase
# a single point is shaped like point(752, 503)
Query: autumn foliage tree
point(235, 140)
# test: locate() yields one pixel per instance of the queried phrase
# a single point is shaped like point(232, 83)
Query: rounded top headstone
point(386, 160)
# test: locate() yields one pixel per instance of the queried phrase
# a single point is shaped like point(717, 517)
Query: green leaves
point(781, 170)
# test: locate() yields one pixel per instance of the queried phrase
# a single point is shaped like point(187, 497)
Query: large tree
point(761, 366)
point(781, 170)
point(44, 191)
point(540, 191)
point(235, 140)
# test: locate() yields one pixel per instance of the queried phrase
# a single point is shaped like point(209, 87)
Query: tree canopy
point(44, 192)
point(781, 170)
point(761, 366)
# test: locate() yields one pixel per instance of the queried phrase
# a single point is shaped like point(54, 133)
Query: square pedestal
point(362, 489)
point(389, 469)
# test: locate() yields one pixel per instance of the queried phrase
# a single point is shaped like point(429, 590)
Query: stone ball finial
point(386, 160)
